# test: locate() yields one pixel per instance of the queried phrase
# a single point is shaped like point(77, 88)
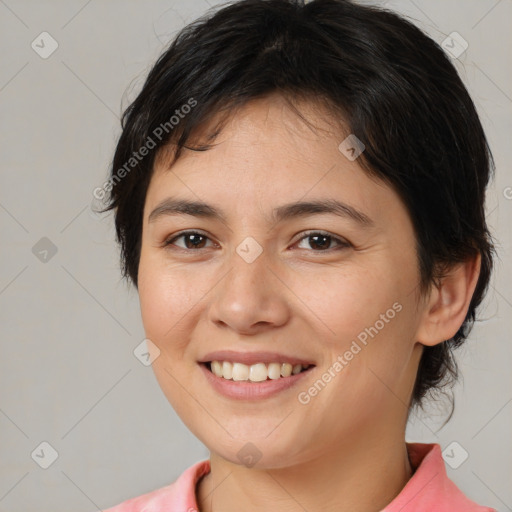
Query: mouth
point(254, 373)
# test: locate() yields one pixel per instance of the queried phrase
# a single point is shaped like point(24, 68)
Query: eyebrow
point(172, 206)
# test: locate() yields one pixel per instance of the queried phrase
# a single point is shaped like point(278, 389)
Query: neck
point(362, 476)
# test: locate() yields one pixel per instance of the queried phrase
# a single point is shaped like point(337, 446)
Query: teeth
point(274, 371)
point(216, 368)
point(286, 369)
point(256, 372)
point(240, 371)
point(227, 370)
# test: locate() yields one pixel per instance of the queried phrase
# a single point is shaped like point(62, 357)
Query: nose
point(251, 298)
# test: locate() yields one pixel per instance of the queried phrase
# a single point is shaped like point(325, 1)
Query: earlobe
point(448, 303)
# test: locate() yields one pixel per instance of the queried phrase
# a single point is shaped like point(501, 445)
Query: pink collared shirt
point(428, 490)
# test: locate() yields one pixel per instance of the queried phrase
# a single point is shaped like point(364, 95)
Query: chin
point(260, 453)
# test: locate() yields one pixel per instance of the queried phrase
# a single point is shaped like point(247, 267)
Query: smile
point(242, 387)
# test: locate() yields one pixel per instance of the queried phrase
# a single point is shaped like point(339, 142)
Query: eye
point(192, 240)
point(323, 241)
point(197, 240)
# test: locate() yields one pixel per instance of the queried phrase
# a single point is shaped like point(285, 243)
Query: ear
point(447, 305)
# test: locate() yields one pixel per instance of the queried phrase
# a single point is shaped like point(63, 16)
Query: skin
point(345, 449)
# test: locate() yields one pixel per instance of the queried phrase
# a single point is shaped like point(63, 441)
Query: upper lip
point(249, 358)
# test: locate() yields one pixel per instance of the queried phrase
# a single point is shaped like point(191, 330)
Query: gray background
point(68, 375)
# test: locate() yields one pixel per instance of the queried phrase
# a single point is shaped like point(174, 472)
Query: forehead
point(266, 154)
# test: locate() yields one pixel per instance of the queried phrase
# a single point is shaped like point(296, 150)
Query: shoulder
point(429, 488)
point(179, 495)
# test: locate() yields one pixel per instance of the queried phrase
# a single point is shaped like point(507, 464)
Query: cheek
point(172, 298)
point(165, 298)
point(345, 301)
point(367, 316)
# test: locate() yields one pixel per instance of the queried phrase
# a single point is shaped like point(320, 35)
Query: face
point(321, 287)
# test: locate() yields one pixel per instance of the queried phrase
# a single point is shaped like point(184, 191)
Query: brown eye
point(192, 240)
point(321, 242)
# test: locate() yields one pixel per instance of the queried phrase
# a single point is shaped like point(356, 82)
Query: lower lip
point(244, 390)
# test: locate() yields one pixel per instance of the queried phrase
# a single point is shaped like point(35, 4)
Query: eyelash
point(342, 244)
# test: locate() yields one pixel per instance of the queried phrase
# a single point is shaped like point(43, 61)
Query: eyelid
point(342, 242)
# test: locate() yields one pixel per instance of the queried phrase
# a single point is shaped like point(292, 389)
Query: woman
point(299, 199)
